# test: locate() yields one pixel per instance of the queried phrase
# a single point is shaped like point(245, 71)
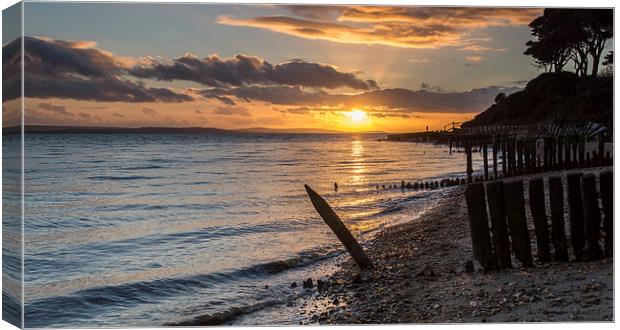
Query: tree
point(564, 35)
point(500, 98)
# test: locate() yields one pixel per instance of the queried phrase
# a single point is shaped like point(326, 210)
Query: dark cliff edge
point(560, 97)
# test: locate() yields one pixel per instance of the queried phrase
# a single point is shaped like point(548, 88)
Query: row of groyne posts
point(497, 209)
point(532, 149)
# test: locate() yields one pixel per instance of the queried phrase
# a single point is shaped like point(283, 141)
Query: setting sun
point(357, 116)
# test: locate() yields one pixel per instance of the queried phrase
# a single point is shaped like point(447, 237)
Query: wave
point(122, 178)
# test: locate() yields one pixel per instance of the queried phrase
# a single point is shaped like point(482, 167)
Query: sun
point(357, 116)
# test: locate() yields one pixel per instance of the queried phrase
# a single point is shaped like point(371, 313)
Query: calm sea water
point(143, 230)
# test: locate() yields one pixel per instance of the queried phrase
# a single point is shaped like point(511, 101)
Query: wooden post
point(515, 212)
point(338, 227)
point(485, 159)
point(568, 164)
point(519, 158)
point(592, 214)
point(469, 166)
point(606, 181)
point(582, 152)
point(575, 213)
point(499, 228)
point(541, 226)
point(527, 153)
point(495, 160)
point(504, 165)
point(601, 149)
point(558, 236)
point(479, 226)
point(575, 157)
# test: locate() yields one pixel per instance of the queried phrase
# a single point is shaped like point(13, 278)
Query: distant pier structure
point(511, 150)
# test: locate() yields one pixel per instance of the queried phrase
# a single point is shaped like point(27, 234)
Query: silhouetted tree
point(500, 98)
point(570, 34)
point(609, 58)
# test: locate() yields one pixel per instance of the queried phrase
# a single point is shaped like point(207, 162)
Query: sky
point(350, 68)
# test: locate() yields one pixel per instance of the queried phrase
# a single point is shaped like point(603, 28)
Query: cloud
point(247, 70)
point(419, 60)
point(74, 70)
point(402, 26)
point(398, 100)
point(481, 49)
point(84, 115)
point(235, 111)
point(473, 59)
point(149, 111)
point(57, 109)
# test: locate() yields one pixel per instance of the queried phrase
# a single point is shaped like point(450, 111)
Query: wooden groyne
point(522, 149)
point(506, 204)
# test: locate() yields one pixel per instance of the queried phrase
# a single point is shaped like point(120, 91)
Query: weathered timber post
point(495, 160)
point(592, 214)
point(541, 226)
point(558, 236)
point(560, 148)
point(526, 154)
point(499, 227)
point(545, 154)
point(568, 164)
point(479, 225)
point(504, 165)
point(519, 158)
point(582, 151)
point(575, 213)
point(606, 181)
point(485, 159)
point(515, 212)
point(469, 165)
point(601, 148)
point(575, 157)
point(338, 227)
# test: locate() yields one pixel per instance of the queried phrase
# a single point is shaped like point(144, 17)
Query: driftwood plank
point(338, 227)
point(606, 181)
point(499, 227)
point(556, 201)
point(592, 214)
point(575, 213)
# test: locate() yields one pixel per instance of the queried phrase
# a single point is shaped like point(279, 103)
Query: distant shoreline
point(43, 129)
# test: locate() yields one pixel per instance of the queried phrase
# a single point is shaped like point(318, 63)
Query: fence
point(507, 231)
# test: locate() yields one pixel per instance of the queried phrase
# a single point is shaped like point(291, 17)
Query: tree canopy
point(570, 35)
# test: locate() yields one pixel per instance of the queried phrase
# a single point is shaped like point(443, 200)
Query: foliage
point(563, 35)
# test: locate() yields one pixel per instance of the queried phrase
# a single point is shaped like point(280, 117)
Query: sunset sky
point(236, 66)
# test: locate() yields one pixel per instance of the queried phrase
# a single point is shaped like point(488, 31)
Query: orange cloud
point(408, 27)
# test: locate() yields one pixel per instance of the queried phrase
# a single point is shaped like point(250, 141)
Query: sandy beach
point(421, 275)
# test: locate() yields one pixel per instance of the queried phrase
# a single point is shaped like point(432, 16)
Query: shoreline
point(421, 275)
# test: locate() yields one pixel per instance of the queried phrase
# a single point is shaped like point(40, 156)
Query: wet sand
point(420, 276)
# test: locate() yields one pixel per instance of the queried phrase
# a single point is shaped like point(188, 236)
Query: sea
point(126, 230)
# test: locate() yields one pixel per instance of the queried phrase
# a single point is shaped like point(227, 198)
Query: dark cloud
point(74, 70)
point(381, 101)
point(235, 111)
point(149, 111)
point(249, 70)
point(57, 109)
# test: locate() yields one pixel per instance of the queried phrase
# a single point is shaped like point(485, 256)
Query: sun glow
point(357, 116)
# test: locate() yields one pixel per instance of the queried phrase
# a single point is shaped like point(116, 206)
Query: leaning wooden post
point(469, 166)
point(338, 227)
point(541, 226)
point(592, 214)
point(558, 236)
point(575, 213)
point(479, 225)
point(606, 181)
point(485, 158)
point(499, 228)
point(515, 212)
